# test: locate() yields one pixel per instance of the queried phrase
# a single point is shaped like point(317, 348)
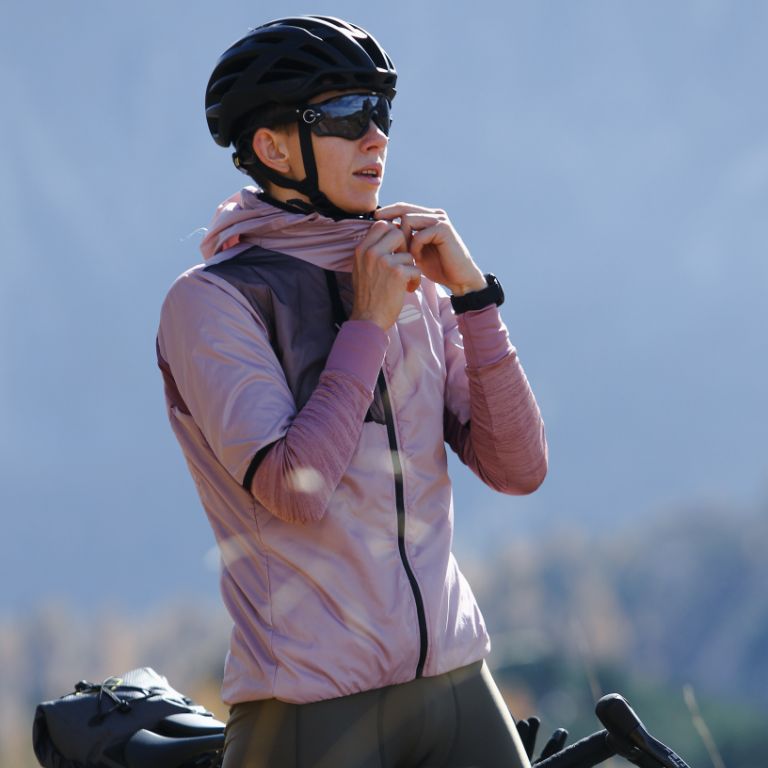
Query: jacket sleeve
point(491, 418)
point(228, 378)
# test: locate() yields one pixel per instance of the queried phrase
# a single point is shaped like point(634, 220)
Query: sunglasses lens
point(349, 116)
point(381, 115)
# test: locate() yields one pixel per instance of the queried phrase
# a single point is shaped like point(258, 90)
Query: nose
point(374, 136)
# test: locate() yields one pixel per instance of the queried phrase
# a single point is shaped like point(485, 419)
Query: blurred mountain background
point(609, 161)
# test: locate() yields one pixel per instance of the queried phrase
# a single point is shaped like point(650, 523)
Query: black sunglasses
point(348, 116)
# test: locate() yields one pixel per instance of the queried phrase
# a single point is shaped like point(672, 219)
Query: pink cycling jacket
point(317, 446)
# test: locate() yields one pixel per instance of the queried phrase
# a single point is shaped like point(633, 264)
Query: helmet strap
point(312, 182)
point(309, 185)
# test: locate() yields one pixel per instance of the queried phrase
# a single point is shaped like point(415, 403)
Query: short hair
point(273, 116)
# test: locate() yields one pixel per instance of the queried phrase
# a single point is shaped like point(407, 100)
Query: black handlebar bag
point(90, 727)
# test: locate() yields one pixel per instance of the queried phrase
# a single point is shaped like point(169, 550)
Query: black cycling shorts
point(454, 720)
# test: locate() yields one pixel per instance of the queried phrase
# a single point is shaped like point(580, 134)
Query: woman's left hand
point(436, 247)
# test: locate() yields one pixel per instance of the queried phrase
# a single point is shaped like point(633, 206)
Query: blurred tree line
point(680, 601)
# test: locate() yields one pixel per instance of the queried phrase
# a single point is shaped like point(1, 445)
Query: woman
point(314, 368)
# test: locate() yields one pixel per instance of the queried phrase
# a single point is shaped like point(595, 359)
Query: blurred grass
point(558, 691)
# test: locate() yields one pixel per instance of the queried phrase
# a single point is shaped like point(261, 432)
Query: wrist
point(471, 286)
point(475, 283)
point(370, 317)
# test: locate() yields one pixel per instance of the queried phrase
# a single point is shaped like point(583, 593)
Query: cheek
point(334, 166)
point(329, 167)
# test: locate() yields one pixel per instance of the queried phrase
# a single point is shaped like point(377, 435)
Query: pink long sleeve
point(504, 441)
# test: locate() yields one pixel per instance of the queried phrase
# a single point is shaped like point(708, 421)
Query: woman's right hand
point(382, 274)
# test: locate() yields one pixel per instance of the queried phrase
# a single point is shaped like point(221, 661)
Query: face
point(350, 172)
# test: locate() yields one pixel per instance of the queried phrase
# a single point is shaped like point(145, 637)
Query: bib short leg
point(454, 720)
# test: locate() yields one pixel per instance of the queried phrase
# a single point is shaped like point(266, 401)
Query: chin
point(359, 206)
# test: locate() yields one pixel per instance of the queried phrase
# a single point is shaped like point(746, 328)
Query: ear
point(272, 148)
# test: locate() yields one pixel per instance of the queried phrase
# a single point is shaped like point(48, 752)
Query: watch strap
point(474, 300)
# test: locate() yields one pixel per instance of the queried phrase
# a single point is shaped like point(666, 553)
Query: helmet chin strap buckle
point(236, 162)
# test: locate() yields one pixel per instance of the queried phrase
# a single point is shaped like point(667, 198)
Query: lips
point(369, 172)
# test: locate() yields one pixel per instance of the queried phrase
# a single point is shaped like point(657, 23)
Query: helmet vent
point(315, 51)
point(292, 67)
point(373, 50)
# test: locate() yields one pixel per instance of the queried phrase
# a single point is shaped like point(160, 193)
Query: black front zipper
point(339, 316)
point(400, 505)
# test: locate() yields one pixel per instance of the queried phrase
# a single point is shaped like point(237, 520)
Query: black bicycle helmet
point(287, 62)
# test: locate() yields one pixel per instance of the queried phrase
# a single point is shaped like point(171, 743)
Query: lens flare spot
point(306, 480)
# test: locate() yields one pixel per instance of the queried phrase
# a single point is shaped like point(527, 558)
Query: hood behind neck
point(244, 220)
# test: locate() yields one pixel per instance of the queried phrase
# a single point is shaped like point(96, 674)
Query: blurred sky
point(608, 160)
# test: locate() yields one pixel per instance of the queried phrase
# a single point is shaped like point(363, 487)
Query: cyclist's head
point(271, 77)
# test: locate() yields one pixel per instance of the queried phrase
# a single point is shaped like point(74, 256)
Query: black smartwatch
point(491, 294)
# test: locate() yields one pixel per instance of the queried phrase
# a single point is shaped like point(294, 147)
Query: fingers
point(383, 271)
point(399, 263)
point(384, 248)
point(414, 283)
point(411, 217)
point(411, 223)
point(436, 247)
point(386, 243)
point(396, 210)
point(383, 237)
point(435, 234)
point(416, 218)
